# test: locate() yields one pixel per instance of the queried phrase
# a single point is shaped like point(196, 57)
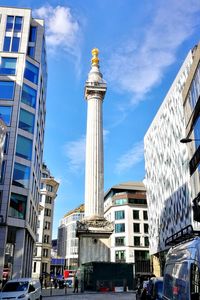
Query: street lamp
point(187, 140)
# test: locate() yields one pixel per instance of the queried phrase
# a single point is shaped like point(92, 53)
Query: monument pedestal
point(94, 242)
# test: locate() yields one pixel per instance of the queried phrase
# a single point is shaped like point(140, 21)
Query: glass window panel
point(32, 36)
point(6, 90)
point(136, 241)
point(136, 214)
point(5, 148)
point(146, 228)
point(7, 65)
point(5, 114)
point(18, 24)
point(9, 24)
point(21, 175)
point(31, 72)
point(6, 46)
point(28, 96)
point(31, 51)
point(15, 44)
point(136, 227)
point(120, 227)
point(119, 215)
point(26, 120)
point(24, 147)
point(2, 172)
point(17, 207)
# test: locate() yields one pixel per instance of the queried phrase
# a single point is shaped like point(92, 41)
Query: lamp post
point(187, 140)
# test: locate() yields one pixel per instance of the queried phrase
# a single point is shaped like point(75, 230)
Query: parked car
point(22, 288)
point(182, 269)
point(155, 288)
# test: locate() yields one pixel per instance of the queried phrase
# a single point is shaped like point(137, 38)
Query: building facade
point(42, 253)
point(2, 142)
point(167, 162)
point(191, 104)
point(67, 240)
point(125, 205)
point(23, 79)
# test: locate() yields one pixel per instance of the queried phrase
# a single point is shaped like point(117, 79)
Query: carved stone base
point(94, 239)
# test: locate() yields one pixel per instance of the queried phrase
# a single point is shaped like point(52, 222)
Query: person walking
point(75, 285)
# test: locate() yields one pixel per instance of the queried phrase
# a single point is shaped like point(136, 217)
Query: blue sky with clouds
point(142, 46)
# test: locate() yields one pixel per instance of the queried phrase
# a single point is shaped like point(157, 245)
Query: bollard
point(51, 289)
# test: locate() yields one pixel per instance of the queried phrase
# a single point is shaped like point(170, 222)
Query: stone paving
point(69, 295)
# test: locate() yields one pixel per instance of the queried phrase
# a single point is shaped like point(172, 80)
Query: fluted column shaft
point(94, 172)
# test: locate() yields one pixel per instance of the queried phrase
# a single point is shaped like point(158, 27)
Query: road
point(57, 295)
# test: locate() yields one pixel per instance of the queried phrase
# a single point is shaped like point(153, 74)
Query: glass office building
point(23, 79)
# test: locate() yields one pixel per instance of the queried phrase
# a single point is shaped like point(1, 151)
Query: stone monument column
point(94, 230)
point(95, 89)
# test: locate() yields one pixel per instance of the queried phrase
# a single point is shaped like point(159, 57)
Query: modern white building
point(42, 253)
point(67, 240)
point(125, 206)
point(23, 77)
point(168, 184)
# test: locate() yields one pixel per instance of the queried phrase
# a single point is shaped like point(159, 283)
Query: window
point(10, 22)
point(119, 227)
point(120, 256)
point(7, 90)
point(29, 95)
point(15, 44)
point(7, 42)
point(46, 239)
point(18, 24)
point(119, 215)
point(7, 66)
point(137, 201)
point(145, 215)
point(24, 147)
point(31, 72)
point(48, 199)
point(5, 148)
point(146, 228)
point(120, 201)
point(177, 285)
point(31, 51)
point(146, 241)
point(47, 225)
point(45, 252)
point(136, 227)
point(5, 114)
point(136, 214)
point(21, 175)
point(2, 169)
point(119, 241)
point(34, 266)
point(47, 212)
point(26, 120)
point(49, 188)
point(17, 207)
point(136, 241)
point(32, 35)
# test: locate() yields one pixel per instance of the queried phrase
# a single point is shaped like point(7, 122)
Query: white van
point(22, 288)
point(182, 271)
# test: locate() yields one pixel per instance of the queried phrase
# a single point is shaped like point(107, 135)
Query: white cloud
point(128, 160)
point(62, 29)
point(75, 153)
point(139, 65)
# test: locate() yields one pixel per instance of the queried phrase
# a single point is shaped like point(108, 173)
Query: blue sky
point(142, 46)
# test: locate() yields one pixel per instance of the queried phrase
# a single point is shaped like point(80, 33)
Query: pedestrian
point(75, 285)
point(41, 281)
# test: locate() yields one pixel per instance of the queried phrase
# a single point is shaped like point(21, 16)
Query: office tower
point(93, 243)
point(67, 240)
point(42, 252)
point(23, 77)
point(168, 162)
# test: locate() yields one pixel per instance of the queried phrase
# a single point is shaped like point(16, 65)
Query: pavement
point(62, 294)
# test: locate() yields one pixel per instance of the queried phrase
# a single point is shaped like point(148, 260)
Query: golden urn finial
point(95, 59)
